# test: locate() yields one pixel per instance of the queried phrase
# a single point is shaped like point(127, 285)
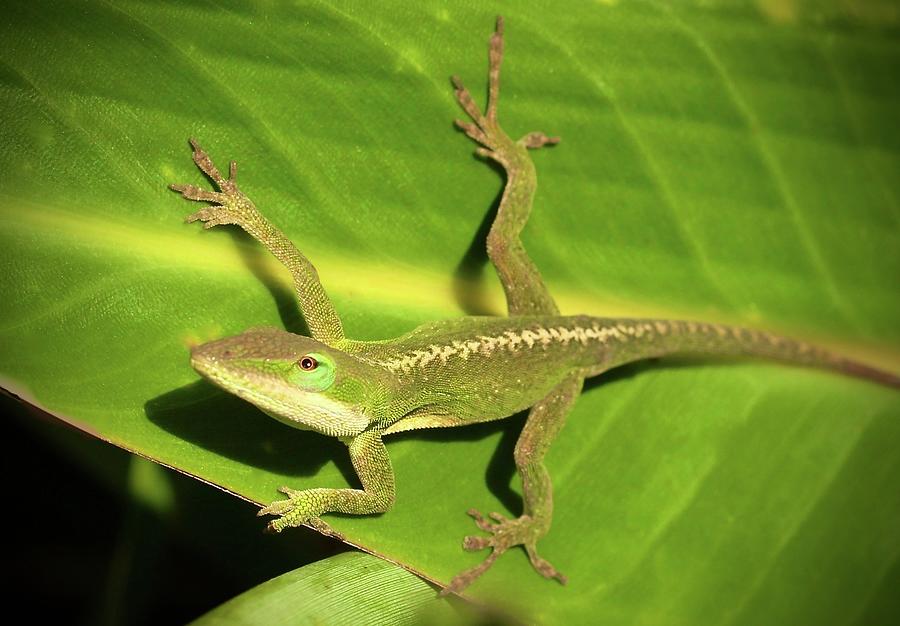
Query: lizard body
point(479, 369)
point(452, 372)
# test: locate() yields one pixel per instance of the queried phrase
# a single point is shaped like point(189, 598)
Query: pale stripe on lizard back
point(600, 331)
point(618, 341)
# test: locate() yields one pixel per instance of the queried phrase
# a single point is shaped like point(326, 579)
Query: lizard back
point(485, 368)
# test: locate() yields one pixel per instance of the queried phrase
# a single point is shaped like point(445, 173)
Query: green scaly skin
point(449, 373)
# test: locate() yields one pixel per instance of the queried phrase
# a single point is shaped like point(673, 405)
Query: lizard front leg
point(231, 206)
point(372, 465)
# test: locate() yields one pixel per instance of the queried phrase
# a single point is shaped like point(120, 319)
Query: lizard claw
point(201, 158)
point(298, 510)
point(279, 507)
point(504, 533)
point(543, 567)
point(282, 507)
point(474, 543)
point(537, 140)
point(210, 216)
point(483, 523)
point(484, 128)
point(192, 192)
point(230, 206)
point(288, 521)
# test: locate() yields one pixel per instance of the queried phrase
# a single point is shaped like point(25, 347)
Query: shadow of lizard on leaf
point(468, 278)
point(229, 426)
point(501, 468)
point(257, 261)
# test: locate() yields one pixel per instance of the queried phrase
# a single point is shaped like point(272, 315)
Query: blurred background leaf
point(350, 588)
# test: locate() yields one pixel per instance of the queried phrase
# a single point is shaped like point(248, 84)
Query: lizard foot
point(231, 205)
point(295, 511)
point(484, 128)
point(504, 534)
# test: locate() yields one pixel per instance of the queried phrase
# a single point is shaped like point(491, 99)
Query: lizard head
point(295, 379)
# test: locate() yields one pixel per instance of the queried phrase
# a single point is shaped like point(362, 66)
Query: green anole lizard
point(453, 372)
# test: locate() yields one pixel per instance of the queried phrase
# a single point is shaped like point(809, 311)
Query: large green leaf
point(726, 161)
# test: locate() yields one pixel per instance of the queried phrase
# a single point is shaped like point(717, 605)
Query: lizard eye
point(313, 372)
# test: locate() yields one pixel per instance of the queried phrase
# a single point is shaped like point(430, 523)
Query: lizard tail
point(861, 370)
point(643, 339)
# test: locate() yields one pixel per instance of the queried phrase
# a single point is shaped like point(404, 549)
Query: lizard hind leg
point(525, 291)
point(545, 421)
point(484, 128)
point(526, 294)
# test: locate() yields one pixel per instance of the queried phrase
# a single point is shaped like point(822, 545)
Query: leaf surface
point(721, 161)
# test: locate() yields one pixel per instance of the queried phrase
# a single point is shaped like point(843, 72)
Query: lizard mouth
point(204, 364)
point(217, 369)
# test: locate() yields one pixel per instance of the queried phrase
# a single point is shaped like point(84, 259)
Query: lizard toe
point(543, 567)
